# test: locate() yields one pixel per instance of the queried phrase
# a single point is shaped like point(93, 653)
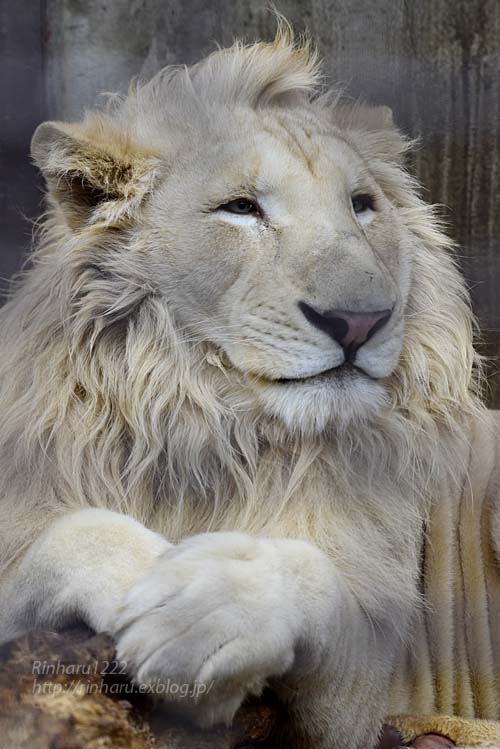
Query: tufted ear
point(93, 172)
point(372, 131)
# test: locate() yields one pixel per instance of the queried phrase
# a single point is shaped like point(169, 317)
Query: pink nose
point(350, 329)
point(355, 328)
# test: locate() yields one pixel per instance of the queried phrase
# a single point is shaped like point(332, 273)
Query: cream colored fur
point(156, 478)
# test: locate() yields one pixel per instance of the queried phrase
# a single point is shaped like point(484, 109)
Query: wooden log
point(64, 691)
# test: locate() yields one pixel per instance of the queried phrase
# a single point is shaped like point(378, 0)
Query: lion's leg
point(221, 608)
point(342, 703)
point(79, 568)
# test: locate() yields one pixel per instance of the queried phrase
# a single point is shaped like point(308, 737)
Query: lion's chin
point(335, 399)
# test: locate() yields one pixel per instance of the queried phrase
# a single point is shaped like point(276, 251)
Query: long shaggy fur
point(106, 402)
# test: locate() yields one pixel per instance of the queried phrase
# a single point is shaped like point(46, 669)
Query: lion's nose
point(350, 329)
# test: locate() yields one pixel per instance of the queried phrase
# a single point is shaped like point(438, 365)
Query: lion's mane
point(106, 403)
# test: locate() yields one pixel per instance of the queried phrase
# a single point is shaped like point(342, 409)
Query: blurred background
point(435, 62)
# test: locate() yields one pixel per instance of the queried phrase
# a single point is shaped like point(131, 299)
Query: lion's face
point(275, 243)
point(304, 278)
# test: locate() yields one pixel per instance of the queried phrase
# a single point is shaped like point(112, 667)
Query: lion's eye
point(242, 206)
point(362, 203)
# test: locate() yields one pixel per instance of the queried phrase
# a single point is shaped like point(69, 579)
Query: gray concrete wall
point(435, 62)
point(22, 107)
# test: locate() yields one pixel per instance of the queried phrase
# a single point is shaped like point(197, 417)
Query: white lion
point(238, 387)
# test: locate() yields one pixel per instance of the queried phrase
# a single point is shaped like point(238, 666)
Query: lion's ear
point(372, 130)
point(94, 173)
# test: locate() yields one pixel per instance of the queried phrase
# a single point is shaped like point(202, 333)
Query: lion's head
point(273, 234)
point(239, 296)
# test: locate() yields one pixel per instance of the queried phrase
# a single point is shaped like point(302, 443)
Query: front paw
point(219, 613)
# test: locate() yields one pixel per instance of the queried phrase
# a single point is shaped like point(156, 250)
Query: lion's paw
point(213, 620)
